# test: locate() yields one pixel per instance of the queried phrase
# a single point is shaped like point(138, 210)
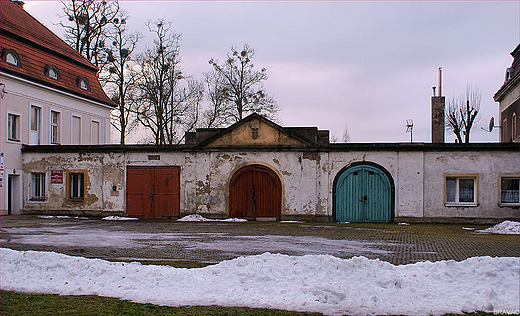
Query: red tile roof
point(37, 47)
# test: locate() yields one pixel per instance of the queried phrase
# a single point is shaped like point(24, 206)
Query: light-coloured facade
point(420, 175)
point(508, 97)
point(42, 100)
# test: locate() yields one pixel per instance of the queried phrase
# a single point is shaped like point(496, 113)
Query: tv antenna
point(409, 128)
point(490, 126)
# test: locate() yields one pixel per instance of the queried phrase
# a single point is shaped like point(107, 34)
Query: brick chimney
point(438, 104)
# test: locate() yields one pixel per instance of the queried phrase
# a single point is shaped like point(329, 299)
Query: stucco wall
point(488, 166)
point(307, 179)
point(104, 183)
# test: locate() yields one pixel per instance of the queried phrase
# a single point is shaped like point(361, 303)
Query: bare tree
point(463, 113)
point(169, 101)
point(86, 26)
point(346, 134)
point(236, 88)
point(120, 79)
point(220, 112)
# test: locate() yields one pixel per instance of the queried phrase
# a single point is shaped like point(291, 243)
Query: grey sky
point(371, 64)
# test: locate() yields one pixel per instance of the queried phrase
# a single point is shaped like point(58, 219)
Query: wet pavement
point(216, 241)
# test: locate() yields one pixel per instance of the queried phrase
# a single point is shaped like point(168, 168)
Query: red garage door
point(153, 192)
point(255, 192)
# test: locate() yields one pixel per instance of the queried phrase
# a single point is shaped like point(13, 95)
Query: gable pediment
point(255, 131)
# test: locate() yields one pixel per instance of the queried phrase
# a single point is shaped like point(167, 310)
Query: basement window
point(460, 190)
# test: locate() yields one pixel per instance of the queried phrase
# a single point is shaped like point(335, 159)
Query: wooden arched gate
point(363, 193)
point(255, 192)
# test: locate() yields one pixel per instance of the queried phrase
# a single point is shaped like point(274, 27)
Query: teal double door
point(363, 193)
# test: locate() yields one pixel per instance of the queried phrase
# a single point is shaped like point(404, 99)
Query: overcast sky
point(369, 64)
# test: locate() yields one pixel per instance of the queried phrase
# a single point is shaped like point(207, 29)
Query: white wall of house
point(20, 95)
point(307, 180)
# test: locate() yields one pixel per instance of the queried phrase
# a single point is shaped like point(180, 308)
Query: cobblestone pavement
point(217, 241)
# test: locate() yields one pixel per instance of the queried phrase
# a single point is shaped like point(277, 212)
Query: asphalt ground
point(211, 242)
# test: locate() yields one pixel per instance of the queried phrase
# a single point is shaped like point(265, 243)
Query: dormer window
point(52, 72)
point(82, 83)
point(11, 57)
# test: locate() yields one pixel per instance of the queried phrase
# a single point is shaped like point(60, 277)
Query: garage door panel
point(153, 192)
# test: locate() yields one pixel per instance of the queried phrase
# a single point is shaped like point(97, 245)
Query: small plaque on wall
point(56, 176)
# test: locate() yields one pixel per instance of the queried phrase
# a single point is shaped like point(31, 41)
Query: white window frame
point(457, 177)
point(37, 189)
point(56, 126)
point(18, 130)
point(502, 177)
point(38, 122)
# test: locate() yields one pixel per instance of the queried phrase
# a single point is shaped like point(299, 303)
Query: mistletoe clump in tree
point(235, 89)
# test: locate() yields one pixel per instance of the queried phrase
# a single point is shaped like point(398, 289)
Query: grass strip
point(12, 303)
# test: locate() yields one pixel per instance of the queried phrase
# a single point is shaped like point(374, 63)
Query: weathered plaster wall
point(104, 173)
point(307, 180)
point(489, 166)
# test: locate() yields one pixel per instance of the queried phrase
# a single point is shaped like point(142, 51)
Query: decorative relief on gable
point(255, 133)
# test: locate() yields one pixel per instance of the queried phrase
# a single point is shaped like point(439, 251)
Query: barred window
point(77, 186)
point(38, 186)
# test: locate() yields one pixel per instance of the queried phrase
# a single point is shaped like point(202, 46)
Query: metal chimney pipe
point(440, 81)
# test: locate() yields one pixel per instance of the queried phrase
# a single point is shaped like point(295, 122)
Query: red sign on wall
point(56, 176)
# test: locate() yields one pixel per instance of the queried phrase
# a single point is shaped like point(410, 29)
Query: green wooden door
point(363, 193)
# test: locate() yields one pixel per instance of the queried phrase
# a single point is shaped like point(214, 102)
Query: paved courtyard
point(217, 241)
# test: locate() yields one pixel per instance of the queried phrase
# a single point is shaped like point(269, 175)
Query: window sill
point(10, 140)
point(77, 200)
point(460, 205)
point(515, 205)
point(34, 199)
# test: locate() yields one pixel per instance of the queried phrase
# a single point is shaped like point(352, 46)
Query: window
point(11, 57)
point(509, 190)
point(34, 136)
point(77, 186)
point(13, 127)
point(95, 133)
point(55, 127)
point(513, 126)
point(461, 190)
point(76, 130)
point(82, 83)
point(52, 72)
point(38, 186)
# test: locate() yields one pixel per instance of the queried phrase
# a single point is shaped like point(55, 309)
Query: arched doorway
point(255, 192)
point(363, 192)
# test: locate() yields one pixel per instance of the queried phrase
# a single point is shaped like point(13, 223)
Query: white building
point(49, 95)
point(256, 169)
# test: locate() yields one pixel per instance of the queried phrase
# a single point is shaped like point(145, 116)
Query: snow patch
point(506, 227)
point(312, 283)
point(200, 218)
point(119, 218)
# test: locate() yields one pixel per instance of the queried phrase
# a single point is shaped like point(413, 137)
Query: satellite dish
point(491, 124)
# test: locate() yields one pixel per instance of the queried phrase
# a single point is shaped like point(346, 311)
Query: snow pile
point(314, 283)
point(506, 227)
point(200, 218)
point(119, 218)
